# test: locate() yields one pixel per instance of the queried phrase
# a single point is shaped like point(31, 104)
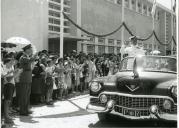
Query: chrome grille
point(140, 102)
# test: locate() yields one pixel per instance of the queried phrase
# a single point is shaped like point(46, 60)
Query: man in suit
point(26, 62)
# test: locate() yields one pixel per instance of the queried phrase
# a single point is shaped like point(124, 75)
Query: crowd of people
point(43, 77)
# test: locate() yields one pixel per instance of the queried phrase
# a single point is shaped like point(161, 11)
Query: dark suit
point(25, 82)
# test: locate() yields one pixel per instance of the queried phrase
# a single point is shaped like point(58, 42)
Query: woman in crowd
point(38, 80)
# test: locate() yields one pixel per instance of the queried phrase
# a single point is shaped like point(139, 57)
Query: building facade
point(39, 21)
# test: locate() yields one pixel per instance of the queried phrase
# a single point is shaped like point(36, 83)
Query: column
point(130, 4)
point(115, 46)
point(61, 28)
point(136, 4)
point(106, 45)
point(79, 23)
point(142, 7)
point(96, 44)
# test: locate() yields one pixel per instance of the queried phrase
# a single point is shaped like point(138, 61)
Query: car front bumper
point(162, 116)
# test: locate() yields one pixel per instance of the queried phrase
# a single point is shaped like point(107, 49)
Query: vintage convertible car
point(144, 88)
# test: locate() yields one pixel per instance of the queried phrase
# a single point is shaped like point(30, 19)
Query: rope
point(174, 41)
point(141, 39)
point(129, 31)
point(116, 30)
point(90, 33)
point(169, 42)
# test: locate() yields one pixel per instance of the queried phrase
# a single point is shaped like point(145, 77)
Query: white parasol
point(155, 52)
point(20, 42)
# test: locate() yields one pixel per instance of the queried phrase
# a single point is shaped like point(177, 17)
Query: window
point(58, 1)
point(50, 20)
point(110, 49)
point(90, 49)
point(101, 49)
point(133, 4)
point(91, 38)
point(56, 22)
point(140, 44)
point(118, 42)
point(119, 2)
point(150, 46)
point(101, 40)
point(66, 30)
point(155, 46)
point(53, 13)
point(118, 50)
point(50, 28)
point(111, 42)
point(145, 46)
point(57, 29)
point(145, 9)
point(139, 7)
point(53, 6)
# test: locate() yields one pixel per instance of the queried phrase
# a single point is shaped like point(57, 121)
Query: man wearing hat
point(134, 49)
point(26, 61)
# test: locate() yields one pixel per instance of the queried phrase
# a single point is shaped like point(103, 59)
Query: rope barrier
point(90, 33)
point(116, 30)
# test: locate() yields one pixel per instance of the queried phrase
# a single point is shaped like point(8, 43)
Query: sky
point(166, 3)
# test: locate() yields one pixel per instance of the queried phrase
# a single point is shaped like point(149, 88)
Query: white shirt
point(9, 69)
point(134, 51)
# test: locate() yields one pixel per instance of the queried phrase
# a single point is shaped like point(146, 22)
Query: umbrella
point(155, 52)
point(7, 45)
point(20, 42)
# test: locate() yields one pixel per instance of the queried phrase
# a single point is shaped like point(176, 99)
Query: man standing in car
point(134, 49)
point(26, 62)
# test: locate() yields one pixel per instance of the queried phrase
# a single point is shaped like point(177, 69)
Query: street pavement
point(70, 114)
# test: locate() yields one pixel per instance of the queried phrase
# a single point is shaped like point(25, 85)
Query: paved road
point(69, 114)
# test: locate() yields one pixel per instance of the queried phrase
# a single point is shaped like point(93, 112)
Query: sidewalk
point(62, 114)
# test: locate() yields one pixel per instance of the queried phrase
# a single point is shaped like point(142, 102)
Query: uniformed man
point(134, 49)
point(26, 62)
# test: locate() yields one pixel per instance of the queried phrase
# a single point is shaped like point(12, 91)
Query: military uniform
point(25, 83)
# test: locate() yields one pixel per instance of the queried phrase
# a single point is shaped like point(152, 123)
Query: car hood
point(148, 83)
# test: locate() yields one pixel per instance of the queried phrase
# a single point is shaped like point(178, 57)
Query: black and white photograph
point(89, 63)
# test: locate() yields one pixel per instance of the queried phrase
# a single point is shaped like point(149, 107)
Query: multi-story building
point(39, 21)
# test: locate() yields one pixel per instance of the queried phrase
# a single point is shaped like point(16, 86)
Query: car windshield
point(150, 63)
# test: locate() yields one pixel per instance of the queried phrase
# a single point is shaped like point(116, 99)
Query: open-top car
point(144, 88)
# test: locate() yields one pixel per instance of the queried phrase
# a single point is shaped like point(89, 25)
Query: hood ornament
point(132, 88)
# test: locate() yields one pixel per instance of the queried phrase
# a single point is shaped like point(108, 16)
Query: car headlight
point(174, 91)
point(95, 86)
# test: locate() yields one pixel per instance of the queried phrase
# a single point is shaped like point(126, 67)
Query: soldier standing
point(26, 62)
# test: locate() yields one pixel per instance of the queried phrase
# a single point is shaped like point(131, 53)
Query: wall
point(26, 18)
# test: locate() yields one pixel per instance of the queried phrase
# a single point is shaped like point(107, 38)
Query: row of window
point(58, 7)
point(111, 42)
point(101, 49)
point(66, 2)
point(138, 7)
point(102, 41)
point(57, 22)
point(57, 29)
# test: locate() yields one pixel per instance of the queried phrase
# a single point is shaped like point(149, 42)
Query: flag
point(153, 8)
